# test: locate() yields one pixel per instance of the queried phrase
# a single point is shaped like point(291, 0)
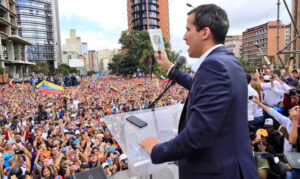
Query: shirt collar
point(198, 63)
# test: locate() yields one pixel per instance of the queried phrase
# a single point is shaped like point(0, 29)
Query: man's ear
point(206, 33)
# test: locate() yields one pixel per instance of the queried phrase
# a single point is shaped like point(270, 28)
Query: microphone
point(180, 61)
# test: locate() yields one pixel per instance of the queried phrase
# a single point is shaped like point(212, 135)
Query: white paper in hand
point(156, 39)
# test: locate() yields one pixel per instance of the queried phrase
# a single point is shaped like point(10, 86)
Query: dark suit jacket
point(213, 139)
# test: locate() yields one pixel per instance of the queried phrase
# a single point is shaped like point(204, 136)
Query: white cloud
point(242, 14)
point(112, 16)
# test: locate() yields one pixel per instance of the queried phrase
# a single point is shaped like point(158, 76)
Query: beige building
point(12, 52)
point(106, 53)
point(67, 55)
point(104, 57)
point(103, 68)
point(74, 43)
point(233, 44)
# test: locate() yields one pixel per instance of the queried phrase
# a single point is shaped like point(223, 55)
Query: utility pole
point(278, 28)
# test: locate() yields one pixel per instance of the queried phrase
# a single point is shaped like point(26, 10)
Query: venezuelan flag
point(11, 83)
point(163, 79)
point(2, 90)
point(113, 89)
point(157, 84)
point(138, 80)
point(50, 88)
point(40, 85)
point(100, 85)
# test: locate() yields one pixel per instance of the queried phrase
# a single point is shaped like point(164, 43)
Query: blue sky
point(100, 22)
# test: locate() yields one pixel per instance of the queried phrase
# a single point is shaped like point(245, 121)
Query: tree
point(1, 70)
point(137, 54)
point(41, 67)
point(91, 72)
point(73, 70)
point(65, 69)
point(246, 65)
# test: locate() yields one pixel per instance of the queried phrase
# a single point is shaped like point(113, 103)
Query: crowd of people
point(59, 135)
point(273, 118)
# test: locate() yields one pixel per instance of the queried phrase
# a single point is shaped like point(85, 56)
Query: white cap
point(50, 104)
point(104, 165)
point(77, 132)
point(269, 122)
point(65, 130)
point(100, 135)
point(122, 157)
point(267, 77)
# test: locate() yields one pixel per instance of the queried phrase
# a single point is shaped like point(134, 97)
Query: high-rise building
point(265, 36)
point(92, 60)
point(287, 36)
point(84, 49)
point(233, 44)
point(13, 56)
point(58, 47)
point(37, 22)
point(149, 14)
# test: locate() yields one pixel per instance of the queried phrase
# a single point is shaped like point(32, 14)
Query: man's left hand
point(148, 143)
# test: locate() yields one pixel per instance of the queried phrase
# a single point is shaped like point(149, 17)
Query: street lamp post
point(189, 5)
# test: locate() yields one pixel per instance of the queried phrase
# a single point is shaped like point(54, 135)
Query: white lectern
point(162, 124)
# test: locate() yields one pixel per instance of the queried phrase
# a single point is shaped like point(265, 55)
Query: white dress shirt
point(254, 110)
point(198, 63)
point(272, 96)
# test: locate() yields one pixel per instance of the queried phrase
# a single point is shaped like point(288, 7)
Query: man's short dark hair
point(249, 78)
point(294, 71)
point(277, 72)
point(213, 17)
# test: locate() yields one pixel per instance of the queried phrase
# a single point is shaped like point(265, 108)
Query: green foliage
point(73, 70)
point(246, 65)
point(139, 55)
point(65, 69)
point(1, 70)
point(41, 67)
point(89, 73)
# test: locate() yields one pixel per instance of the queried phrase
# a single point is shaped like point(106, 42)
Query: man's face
point(106, 134)
point(64, 163)
point(270, 129)
point(18, 138)
point(193, 38)
point(54, 151)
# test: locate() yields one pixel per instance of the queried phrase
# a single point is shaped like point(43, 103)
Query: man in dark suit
point(213, 139)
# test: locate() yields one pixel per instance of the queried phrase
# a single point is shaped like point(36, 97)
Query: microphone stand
point(152, 105)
